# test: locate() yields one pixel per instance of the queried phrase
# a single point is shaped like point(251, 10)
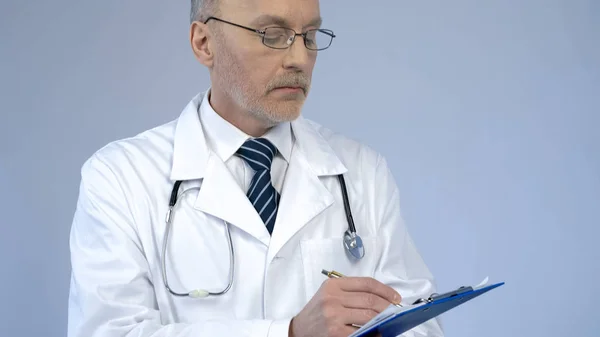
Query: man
point(258, 182)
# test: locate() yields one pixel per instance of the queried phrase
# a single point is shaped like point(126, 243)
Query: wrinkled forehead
point(297, 14)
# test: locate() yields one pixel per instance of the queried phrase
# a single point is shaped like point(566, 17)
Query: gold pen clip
point(331, 274)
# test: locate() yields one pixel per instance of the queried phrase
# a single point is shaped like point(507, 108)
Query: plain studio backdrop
point(488, 112)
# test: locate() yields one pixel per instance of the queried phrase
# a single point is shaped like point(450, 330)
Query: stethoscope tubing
point(169, 221)
point(352, 241)
point(349, 217)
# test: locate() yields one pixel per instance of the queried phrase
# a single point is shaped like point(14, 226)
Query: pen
point(331, 274)
point(335, 274)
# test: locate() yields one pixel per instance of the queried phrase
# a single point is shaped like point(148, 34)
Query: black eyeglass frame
point(262, 32)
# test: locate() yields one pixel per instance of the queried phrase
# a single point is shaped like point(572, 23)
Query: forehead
point(293, 13)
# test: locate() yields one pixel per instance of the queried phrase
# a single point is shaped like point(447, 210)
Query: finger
point(345, 330)
point(370, 285)
point(340, 329)
point(357, 316)
point(360, 300)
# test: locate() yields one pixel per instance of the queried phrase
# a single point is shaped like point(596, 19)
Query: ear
point(201, 43)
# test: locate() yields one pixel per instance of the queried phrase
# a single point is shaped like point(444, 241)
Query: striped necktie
point(259, 153)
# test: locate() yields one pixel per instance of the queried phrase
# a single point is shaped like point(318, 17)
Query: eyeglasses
point(283, 38)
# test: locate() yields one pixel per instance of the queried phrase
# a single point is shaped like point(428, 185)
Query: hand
point(340, 302)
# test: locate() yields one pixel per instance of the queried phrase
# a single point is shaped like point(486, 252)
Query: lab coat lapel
point(222, 197)
point(304, 196)
point(219, 195)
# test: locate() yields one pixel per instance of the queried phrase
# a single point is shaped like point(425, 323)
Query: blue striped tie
point(259, 153)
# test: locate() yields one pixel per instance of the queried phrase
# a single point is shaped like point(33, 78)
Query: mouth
point(290, 90)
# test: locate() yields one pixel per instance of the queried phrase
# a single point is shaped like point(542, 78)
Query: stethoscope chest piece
point(354, 245)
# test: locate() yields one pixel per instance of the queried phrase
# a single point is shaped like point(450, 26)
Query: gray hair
point(202, 9)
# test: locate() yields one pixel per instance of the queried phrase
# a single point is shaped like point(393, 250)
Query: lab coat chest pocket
point(329, 253)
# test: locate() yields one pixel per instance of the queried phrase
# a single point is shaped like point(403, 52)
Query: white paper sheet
point(482, 284)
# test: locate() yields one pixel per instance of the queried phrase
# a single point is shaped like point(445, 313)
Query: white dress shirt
point(225, 139)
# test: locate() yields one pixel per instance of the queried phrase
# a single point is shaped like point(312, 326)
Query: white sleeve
point(400, 264)
point(111, 290)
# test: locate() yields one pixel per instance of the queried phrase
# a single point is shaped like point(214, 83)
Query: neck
point(238, 117)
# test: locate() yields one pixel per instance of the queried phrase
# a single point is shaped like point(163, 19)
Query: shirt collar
point(311, 142)
point(225, 139)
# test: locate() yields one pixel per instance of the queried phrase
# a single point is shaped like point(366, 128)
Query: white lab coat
point(117, 288)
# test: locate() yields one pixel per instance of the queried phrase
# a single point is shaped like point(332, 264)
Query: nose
point(298, 56)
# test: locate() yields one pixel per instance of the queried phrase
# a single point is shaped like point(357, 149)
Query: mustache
point(296, 80)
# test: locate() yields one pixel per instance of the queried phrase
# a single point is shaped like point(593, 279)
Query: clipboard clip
point(436, 296)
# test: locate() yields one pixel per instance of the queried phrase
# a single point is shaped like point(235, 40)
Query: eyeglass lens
point(278, 37)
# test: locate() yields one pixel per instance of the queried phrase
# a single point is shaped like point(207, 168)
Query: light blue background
point(488, 112)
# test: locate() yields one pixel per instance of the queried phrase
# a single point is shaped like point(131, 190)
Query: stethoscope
point(352, 241)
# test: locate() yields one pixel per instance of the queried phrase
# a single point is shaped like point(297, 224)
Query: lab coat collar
point(191, 151)
point(318, 154)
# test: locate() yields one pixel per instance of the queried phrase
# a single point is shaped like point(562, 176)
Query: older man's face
point(271, 84)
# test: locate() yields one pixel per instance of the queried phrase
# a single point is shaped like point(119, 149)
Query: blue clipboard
point(435, 305)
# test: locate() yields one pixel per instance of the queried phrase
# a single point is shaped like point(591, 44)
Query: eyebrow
point(267, 19)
